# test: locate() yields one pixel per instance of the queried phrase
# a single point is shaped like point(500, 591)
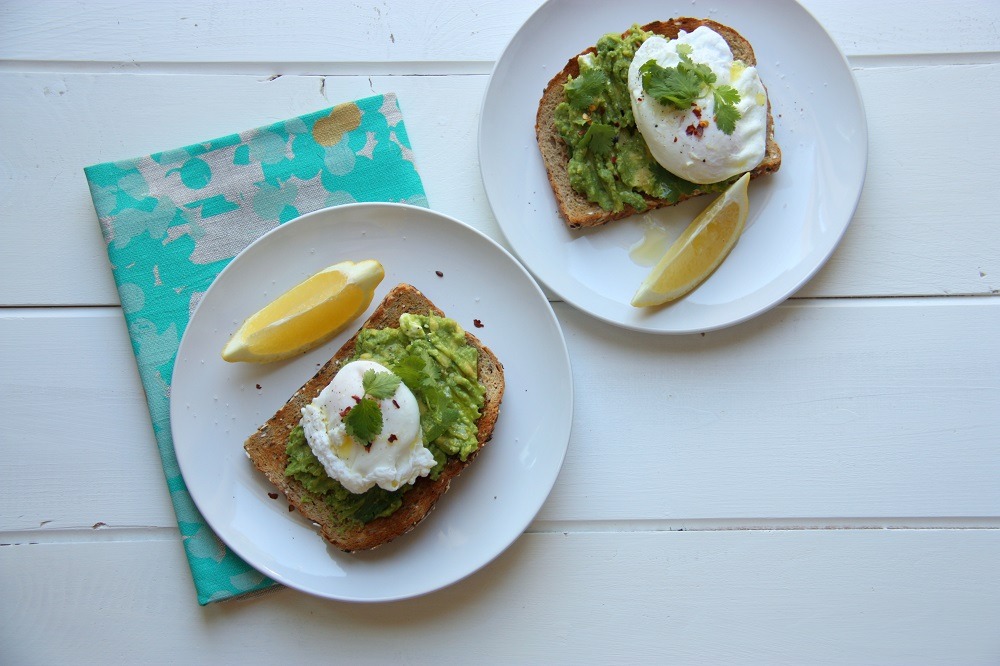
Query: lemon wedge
point(307, 315)
point(699, 250)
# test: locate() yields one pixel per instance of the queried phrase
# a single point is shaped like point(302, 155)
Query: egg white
point(387, 464)
point(713, 156)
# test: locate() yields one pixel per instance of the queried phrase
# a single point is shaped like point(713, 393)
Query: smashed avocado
point(610, 163)
point(305, 468)
point(432, 357)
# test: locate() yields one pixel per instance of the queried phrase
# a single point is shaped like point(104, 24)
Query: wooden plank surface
point(815, 411)
point(289, 32)
point(733, 597)
point(58, 257)
point(815, 486)
point(906, 239)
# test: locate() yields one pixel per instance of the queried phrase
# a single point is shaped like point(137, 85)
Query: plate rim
point(857, 98)
point(564, 429)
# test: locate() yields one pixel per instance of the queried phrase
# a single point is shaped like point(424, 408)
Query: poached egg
point(679, 139)
point(396, 457)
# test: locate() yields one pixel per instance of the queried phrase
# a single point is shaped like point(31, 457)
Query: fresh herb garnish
point(682, 85)
point(379, 385)
point(599, 138)
point(587, 88)
point(726, 113)
point(364, 420)
point(442, 413)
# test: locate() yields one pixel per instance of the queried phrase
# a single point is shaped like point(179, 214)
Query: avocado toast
point(576, 208)
point(269, 447)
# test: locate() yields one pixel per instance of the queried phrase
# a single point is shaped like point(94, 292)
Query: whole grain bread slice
point(574, 207)
point(266, 447)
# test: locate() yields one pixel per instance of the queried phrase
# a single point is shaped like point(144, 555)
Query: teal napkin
point(173, 220)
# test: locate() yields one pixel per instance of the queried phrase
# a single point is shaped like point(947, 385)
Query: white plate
point(797, 216)
point(216, 405)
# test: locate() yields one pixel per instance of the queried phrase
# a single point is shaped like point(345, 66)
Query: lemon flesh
point(307, 315)
point(699, 250)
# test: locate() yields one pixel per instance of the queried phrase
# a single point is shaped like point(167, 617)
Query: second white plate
point(216, 405)
point(797, 216)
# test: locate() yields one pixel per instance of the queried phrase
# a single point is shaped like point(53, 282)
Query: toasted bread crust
point(266, 447)
point(575, 209)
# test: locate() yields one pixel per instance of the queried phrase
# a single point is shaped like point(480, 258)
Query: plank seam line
point(34, 308)
point(106, 534)
point(890, 297)
point(98, 533)
point(271, 70)
point(885, 60)
point(265, 71)
point(766, 525)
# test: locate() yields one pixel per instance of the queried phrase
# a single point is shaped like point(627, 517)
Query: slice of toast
point(574, 207)
point(266, 447)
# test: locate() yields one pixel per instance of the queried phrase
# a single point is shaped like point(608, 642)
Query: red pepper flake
point(614, 159)
point(675, 139)
point(395, 404)
point(273, 495)
point(392, 438)
point(697, 112)
point(258, 387)
point(345, 411)
point(477, 323)
point(291, 508)
point(356, 399)
point(696, 130)
point(439, 273)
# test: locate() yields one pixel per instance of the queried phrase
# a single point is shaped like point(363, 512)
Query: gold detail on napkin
point(342, 119)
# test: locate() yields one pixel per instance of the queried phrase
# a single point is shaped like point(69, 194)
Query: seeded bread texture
point(574, 208)
point(266, 447)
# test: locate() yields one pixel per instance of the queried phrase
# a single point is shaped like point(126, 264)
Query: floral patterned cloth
point(173, 220)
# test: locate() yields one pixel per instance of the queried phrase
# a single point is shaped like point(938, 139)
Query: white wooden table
point(832, 489)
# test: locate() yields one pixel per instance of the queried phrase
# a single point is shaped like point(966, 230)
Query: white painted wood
point(909, 237)
point(407, 32)
point(852, 408)
point(59, 257)
point(854, 413)
point(817, 410)
point(925, 223)
point(791, 597)
point(231, 31)
point(77, 443)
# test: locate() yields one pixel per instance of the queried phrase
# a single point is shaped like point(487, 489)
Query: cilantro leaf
point(379, 385)
point(599, 138)
point(412, 370)
point(682, 85)
point(726, 117)
point(440, 413)
point(726, 113)
point(364, 421)
point(699, 69)
point(587, 88)
point(727, 94)
point(671, 86)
